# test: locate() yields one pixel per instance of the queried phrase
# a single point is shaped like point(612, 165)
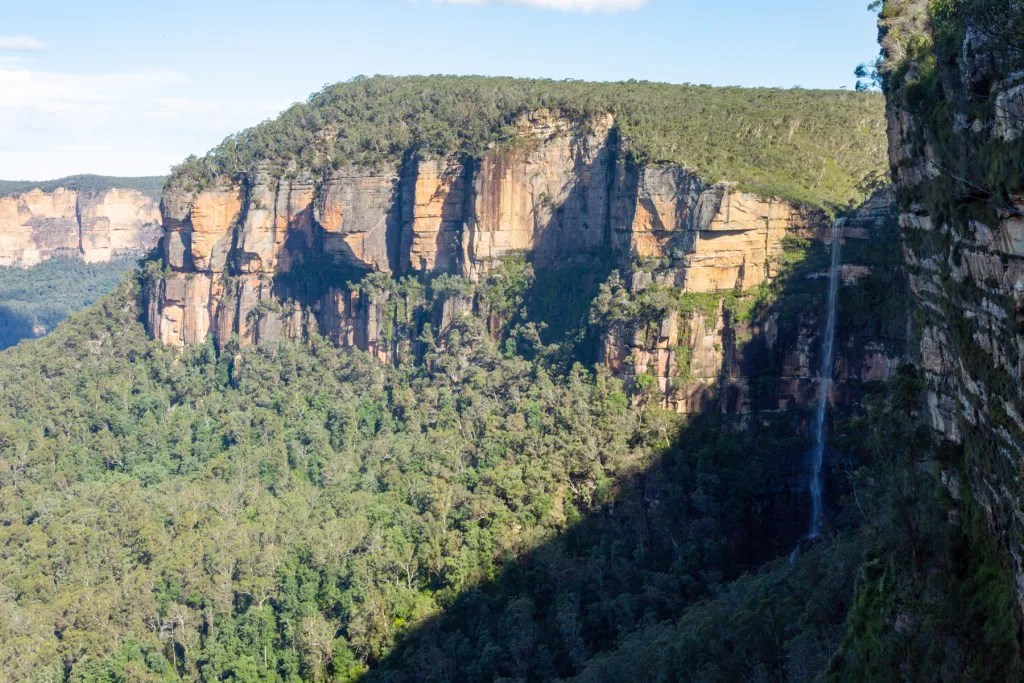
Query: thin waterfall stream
point(824, 389)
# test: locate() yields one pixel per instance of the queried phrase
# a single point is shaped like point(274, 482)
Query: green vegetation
point(482, 509)
point(294, 512)
point(937, 596)
point(921, 49)
point(781, 624)
point(35, 300)
point(805, 145)
point(935, 599)
point(151, 186)
point(490, 507)
point(875, 306)
point(997, 22)
point(932, 600)
point(300, 512)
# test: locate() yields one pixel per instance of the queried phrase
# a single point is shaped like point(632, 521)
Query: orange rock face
point(359, 214)
point(212, 216)
point(96, 226)
point(433, 215)
point(696, 360)
point(737, 249)
point(278, 210)
point(281, 246)
point(547, 195)
point(718, 238)
point(184, 311)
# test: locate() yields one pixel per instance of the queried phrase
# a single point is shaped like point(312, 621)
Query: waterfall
point(824, 389)
point(824, 384)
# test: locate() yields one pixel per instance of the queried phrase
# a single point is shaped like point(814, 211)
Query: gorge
point(278, 255)
point(469, 379)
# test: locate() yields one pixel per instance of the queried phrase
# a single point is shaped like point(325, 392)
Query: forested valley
point(302, 512)
point(35, 300)
point(218, 515)
point(491, 486)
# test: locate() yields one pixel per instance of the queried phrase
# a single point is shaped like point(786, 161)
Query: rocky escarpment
point(563, 194)
point(757, 350)
point(954, 89)
point(94, 225)
point(284, 255)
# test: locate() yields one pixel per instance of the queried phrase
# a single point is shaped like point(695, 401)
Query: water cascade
point(824, 388)
point(825, 383)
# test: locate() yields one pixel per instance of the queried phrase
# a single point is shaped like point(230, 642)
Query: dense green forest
point(33, 301)
point(151, 186)
point(302, 512)
point(807, 145)
point(498, 509)
point(298, 512)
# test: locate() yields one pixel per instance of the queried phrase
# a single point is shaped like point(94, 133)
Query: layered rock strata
point(269, 256)
point(96, 226)
point(709, 356)
point(954, 114)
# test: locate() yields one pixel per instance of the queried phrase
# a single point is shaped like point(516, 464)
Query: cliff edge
point(95, 225)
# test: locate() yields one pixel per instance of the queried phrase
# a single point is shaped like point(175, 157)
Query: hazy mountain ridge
point(94, 228)
point(151, 186)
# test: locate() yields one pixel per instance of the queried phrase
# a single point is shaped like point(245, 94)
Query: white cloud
point(139, 122)
point(20, 43)
point(52, 92)
point(563, 5)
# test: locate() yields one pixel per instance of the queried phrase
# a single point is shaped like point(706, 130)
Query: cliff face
point(954, 128)
point(727, 346)
point(268, 258)
point(97, 226)
point(562, 193)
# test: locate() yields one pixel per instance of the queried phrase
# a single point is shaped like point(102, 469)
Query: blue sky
point(130, 88)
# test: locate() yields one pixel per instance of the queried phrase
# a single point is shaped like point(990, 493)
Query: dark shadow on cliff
point(315, 267)
point(573, 255)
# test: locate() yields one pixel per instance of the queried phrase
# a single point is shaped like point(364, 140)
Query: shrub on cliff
point(806, 145)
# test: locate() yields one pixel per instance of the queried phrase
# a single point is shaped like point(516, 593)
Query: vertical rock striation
point(97, 226)
point(283, 255)
point(563, 192)
point(954, 113)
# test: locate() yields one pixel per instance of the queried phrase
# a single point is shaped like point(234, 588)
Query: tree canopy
point(151, 186)
point(814, 146)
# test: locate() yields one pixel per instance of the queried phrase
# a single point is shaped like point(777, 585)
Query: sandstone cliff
point(272, 256)
point(563, 193)
point(95, 225)
point(954, 128)
point(720, 344)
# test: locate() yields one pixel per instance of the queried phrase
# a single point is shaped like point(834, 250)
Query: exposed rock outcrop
point(955, 121)
point(277, 256)
point(96, 226)
point(564, 192)
point(708, 355)
point(719, 238)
